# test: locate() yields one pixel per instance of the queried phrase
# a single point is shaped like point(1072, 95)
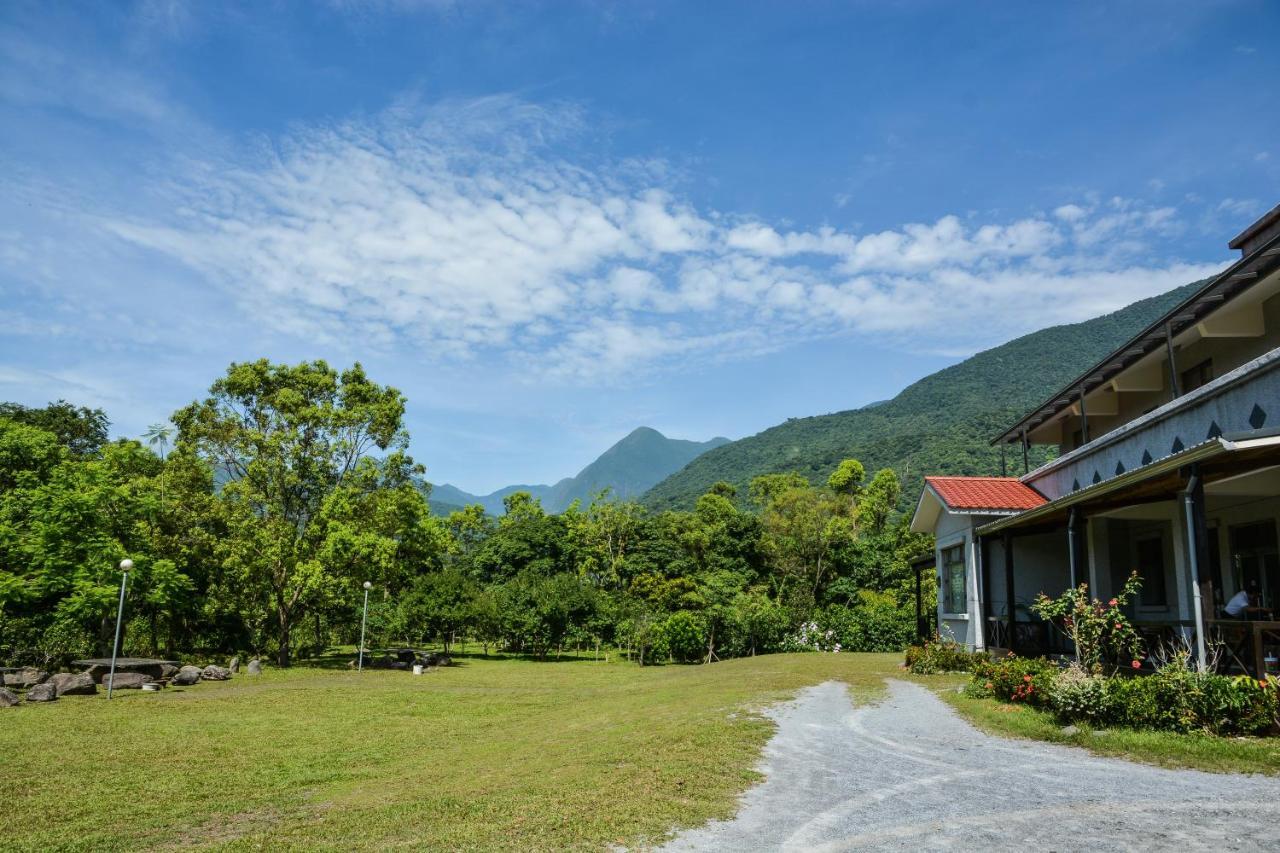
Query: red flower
point(1118, 626)
point(1026, 678)
point(1137, 665)
point(990, 685)
point(1113, 602)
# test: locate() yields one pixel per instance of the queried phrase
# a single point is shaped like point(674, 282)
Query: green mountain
point(940, 425)
point(629, 469)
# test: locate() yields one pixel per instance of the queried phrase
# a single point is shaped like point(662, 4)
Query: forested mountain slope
point(940, 425)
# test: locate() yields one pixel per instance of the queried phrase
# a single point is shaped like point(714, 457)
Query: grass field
point(490, 753)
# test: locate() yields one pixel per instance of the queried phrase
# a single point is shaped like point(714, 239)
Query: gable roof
point(1001, 494)
point(972, 496)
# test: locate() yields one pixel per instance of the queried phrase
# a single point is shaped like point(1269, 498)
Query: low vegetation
point(491, 753)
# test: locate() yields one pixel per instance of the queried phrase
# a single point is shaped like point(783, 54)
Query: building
point(1167, 463)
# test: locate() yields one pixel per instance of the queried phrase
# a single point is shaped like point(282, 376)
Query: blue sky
point(549, 223)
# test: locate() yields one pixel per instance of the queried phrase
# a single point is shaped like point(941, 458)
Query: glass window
point(954, 599)
point(1194, 377)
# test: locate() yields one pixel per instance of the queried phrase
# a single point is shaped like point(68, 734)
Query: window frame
point(948, 567)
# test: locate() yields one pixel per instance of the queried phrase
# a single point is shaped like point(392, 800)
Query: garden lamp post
point(125, 566)
point(363, 619)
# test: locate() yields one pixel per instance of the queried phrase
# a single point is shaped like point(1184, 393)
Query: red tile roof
point(997, 493)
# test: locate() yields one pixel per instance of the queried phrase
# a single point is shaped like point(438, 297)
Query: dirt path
point(908, 774)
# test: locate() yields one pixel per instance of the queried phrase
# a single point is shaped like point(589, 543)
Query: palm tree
point(158, 434)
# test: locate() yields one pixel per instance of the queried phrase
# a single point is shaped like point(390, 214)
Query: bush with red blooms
point(1015, 679)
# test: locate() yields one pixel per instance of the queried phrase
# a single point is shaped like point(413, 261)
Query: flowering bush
point(1077, 696)
point(1101, 632)
point(810, 637)
point(939, 655)
point(1015, 679)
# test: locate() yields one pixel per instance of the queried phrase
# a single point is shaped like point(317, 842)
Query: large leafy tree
point(309, 454)
point(81, 430)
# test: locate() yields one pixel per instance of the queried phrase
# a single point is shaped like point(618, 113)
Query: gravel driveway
point(908, 774)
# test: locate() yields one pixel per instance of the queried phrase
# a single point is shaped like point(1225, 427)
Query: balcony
point(1245, 399)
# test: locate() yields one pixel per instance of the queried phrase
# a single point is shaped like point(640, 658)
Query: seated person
point(1235, 608)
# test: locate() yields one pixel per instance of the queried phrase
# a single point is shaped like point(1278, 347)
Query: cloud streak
point(483, 227)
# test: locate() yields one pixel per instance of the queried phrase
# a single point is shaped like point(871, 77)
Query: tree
point(846, 481)
point(159, 434)
point(298, 443)
point(602, 539)
point(80, 429)
point(879, 500)
point(801, 525)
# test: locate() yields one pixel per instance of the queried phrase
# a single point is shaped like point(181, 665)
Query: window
point(1151, 570)
point(1197, 375)
point(1255, 561)
point(954, 599)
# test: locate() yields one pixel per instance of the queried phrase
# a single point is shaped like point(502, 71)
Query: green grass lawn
point(490, 753)
point(1166, 749)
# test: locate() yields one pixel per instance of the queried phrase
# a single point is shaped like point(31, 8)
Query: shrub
point(685, 636)
point(812, 637)
point(1101, 632)
point(1077, 696)
point(939, 655)
point(1015, 679)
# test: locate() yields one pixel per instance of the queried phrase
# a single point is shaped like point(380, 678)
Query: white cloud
point(481, 227)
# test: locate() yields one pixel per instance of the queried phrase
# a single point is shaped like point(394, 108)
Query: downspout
point(1193, 557)
point(979, 640)
point(1071, 546)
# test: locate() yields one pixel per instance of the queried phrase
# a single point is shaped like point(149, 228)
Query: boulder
point(407, 656)
point(255, 667)
point(168, 670)
point(127, 680)
point(213, 672)
point(186, 676)
point(7, 698)
point(26, 677)
point(73, 684)
point(97, 672)
point(436, 659)
point(400, 665)
point(234, 664)
point(42, 693)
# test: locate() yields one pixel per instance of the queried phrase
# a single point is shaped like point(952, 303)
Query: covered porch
point(1199, 527)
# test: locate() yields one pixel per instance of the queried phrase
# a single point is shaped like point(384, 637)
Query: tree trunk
point(282, 657)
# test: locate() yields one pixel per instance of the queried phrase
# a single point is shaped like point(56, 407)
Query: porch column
point(984, 554)
point(1074, 541)
point(919, 607)
point(1008, 587)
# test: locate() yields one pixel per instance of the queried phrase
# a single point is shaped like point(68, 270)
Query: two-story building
point(1167, 463)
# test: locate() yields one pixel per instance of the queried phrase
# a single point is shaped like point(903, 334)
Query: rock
point(1070, 731)
point(234, 664)
point(399, 664)
point(436, 659)
point(186, 676)
point(7, 698)
point(127, 680)
point(255, 667)
point(26, 677)
point(168, 670)
point(407, 656)
point(215, 673)
point(73, 684)
point(1100, 732)
point(42, 693)
point(98, 672)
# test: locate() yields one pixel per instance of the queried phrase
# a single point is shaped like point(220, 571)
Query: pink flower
point(1113, 602)
point(1137, 665)
point(1118, 626)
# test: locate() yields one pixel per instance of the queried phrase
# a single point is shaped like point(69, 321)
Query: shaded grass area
point(489, 754)
point(1164, 749)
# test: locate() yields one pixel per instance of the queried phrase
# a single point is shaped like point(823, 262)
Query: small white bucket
point(417, 669)
point(151, 687)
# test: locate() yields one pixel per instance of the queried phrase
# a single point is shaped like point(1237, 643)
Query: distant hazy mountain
point(630, 468)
